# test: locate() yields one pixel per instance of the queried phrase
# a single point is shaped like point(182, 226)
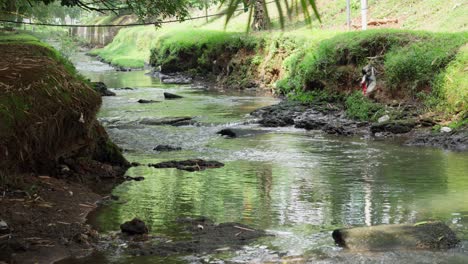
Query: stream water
point(299, 185)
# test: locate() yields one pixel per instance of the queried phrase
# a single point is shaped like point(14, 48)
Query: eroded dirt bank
point(54, 155)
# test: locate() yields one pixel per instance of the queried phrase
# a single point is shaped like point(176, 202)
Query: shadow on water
point(297, 185)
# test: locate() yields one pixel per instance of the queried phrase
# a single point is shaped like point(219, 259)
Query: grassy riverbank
point(413, 66)
point(421, 67)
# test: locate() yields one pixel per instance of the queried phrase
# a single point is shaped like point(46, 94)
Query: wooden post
point(364, 14)
point(348, 14)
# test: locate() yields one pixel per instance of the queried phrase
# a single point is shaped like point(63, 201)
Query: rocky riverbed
point(332, 119)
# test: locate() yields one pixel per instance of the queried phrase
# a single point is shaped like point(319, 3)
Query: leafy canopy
point(158, 10)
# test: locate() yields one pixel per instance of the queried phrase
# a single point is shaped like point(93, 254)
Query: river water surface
point(299, 185)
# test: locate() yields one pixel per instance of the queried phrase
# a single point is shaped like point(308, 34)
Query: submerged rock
point(227, 132)
point(206, 237)
point(175, 78)
point(170, 96)
point(189, 165)
point(134, 227)
point(125, 88)
point(173, 121)
point(143, 101)
point(101, 88)
point(425, 235)
point(138, 178)
point(162, 148)
point(239, 132)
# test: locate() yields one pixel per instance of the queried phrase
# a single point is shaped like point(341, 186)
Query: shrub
point(360, 107)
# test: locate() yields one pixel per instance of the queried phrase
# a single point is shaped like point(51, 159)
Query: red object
point(364, 88)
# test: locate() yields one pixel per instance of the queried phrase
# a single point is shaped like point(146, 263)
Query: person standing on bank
point(369, 81)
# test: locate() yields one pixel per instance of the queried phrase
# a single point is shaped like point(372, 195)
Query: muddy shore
point(46, 221)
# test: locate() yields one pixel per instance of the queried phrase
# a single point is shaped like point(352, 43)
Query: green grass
point(362, 108)
point(183, 50)
point(130, 48)
point(408, 63)
point(451, 86)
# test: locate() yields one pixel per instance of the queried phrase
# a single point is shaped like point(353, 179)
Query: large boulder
point(425, 235)
point(101, 88)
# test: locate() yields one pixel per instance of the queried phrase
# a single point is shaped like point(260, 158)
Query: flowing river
point(299, 185)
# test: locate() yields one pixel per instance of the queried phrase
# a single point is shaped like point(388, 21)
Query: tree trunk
point(260, 21)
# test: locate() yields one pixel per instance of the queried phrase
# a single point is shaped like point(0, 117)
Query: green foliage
point(182, 50)
point(414, 66)
point(318, 96)
point(360, 107)
point(407, 61)
point(458, 123)
point(130, 48)
point(451, 85)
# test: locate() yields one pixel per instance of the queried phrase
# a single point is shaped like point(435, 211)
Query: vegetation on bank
point(130, 47)
point(320, 65)
point(411, 65)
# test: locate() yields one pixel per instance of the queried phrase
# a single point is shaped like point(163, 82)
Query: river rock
point(455, 140)
point(171, 96)
point(173, 121)
point(101, 88)
point(143, 101)
point(121, 68)
point(425, 235)
point(125, 88)
point(383, 119)
point(166, 148)
point(177, 80)
point(279, 120)
point(138, 178)
point(134, 227)
point(4, 228)
point(206, 237)
point(189, 165)
point(395, 127)
point(227, 132)
point(310, 123)
point(336, 129)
